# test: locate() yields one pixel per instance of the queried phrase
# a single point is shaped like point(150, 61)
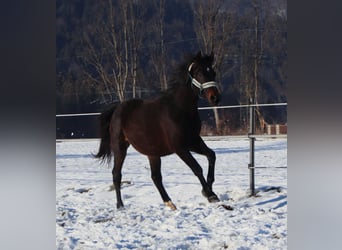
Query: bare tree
point(258, 50)
point(158, 49)
point(112, 49)
point(213, 27)
point(135, 37)
point(261, 42)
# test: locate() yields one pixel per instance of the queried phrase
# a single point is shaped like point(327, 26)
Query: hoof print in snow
point(123, 185)
point(82, 190)
point(275, 236)
point(126, 184)
point(227, 207)
point(102, 220)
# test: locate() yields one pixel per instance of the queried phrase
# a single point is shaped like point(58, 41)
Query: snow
point(87, 218)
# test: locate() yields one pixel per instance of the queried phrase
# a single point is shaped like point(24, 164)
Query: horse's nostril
point(213, 98)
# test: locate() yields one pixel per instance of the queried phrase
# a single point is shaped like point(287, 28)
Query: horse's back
point(156, 127)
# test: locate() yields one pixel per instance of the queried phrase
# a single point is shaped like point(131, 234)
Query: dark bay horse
point(163, 126)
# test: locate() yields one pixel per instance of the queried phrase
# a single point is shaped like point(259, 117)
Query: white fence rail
point(200, 108)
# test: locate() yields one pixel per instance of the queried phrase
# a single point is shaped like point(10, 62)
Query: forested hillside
point(113, 50)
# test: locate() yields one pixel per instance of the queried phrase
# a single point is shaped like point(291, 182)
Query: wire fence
point(73, 129)
point(200, 108)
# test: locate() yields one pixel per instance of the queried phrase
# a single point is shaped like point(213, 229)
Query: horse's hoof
point(204, 194)
point(170, 205)
point(120, 206)
point(213, 199)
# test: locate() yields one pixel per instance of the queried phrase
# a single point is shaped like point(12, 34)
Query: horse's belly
point(151, 148)
point(149, 143)
point(146, 128)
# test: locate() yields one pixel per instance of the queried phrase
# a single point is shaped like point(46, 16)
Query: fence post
point(268, 129)
point(251, 146)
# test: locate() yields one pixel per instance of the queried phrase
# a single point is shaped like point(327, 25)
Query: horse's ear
point(211, 56)
point(198, 56)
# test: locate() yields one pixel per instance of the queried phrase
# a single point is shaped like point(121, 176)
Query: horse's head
point(203, 76)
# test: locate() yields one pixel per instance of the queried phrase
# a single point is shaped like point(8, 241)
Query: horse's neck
point(186, 100)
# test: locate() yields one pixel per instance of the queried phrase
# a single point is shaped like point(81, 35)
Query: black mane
point(180, 74)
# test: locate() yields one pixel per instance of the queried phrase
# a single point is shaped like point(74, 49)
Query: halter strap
point(201, 86)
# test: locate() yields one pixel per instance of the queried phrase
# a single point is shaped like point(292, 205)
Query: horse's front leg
point(211, 169)
point(207, 191)
point(201, 148)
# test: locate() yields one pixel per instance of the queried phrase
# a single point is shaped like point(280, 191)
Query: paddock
point(86, 215)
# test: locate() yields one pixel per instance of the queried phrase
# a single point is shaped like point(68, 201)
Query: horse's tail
point(105, 152)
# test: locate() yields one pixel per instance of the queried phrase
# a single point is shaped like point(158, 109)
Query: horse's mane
point(179, 75)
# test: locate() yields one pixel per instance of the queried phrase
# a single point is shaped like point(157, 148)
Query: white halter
point(201, 86)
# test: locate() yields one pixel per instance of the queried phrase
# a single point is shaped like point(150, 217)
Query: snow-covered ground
point(87, 218)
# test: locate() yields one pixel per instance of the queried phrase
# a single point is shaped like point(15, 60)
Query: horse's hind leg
point(155, 164)
point(120, 151)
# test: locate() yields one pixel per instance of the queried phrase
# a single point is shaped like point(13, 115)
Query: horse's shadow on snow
point(279, 198)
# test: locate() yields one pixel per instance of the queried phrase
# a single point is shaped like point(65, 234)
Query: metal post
point(251, 146)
